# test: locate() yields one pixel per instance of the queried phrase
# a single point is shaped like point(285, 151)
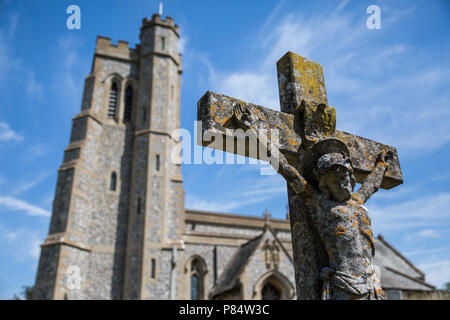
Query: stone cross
point(266, 216)
point(305, 119)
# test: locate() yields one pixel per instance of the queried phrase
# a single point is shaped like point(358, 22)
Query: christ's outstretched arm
point(373, 181)
point(247, 121)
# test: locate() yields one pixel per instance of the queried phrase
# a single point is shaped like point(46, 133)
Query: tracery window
point(128, 103)
point(112, 106)
point(113, 182)
point(270, 292)
point(196, 279)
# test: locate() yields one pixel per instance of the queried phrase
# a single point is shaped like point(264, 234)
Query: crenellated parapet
point(121, 50)
point(157, 20)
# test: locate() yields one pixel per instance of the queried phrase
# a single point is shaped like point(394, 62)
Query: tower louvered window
point(113, 182)
point(128, 104)
point(112, 106)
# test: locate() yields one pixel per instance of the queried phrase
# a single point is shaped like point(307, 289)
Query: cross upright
point(266, 216)
point(305, 119)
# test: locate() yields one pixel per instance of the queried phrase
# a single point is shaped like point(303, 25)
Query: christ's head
point(332, 169)
point(335, 176)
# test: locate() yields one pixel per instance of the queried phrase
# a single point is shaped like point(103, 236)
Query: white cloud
point(11, 63)
point(425, 252)
point(7, 134)
point(28, 184)
point(35, 151)
point(257, 196)
point(437, 272)
point(270, 18)
point(35, 247)
point(341, 6)
point(249, 86)
point(427, 233)
point(182, 43)
point(34, 88)
point(20, 205)
point(396, 193)
point(425, 212)
point(373, 100)
point(263, 189)
point(24, 242)
point(70, 70)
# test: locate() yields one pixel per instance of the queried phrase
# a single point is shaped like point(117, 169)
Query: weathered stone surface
point(216, 113)
point(300, 80)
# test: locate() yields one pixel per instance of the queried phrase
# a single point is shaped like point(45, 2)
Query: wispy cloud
point(7, 134)
point(28, 184)
point(70, 70)
point(20, 205)
point(425, 212)
point(11, 63)
point(263, 189)
point(358, 72)
point(427, 233)
point(341, 6)
point(34, 88)
point(425, 251)
point(34, 151)
point(25, 241)
point(437, 272)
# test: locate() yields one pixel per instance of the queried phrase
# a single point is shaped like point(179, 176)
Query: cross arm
point(215, 111)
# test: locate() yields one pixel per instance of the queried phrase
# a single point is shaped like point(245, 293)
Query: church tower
point(118, 211)
point(157, 197)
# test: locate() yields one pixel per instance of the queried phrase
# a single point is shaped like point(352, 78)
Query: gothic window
point(138, 210)
point(197, 274)
point(270, 292)
point(194, 287)
point(157, 162)
point(112, 106)
point(113, 182)
point(144, 114)
point(153, 268)
point(128, 103)
point(163, 43)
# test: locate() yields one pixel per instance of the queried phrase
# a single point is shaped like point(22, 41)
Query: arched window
point(196, 272)
point(195, 287)
point(144, 114)
point(270, 292)
point(273, 285)
point(138, 209)
point(113, 183)
point(128, 103)
point(158, 162)
point(112, 106)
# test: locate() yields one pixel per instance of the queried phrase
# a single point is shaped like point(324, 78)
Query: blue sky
point(390, 85)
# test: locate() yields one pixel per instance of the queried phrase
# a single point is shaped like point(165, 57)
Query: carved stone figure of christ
point(338, 214)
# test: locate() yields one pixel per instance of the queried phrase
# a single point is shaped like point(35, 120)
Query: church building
point(119, 228)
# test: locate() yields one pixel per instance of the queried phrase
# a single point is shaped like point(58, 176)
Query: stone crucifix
point(333, 246)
